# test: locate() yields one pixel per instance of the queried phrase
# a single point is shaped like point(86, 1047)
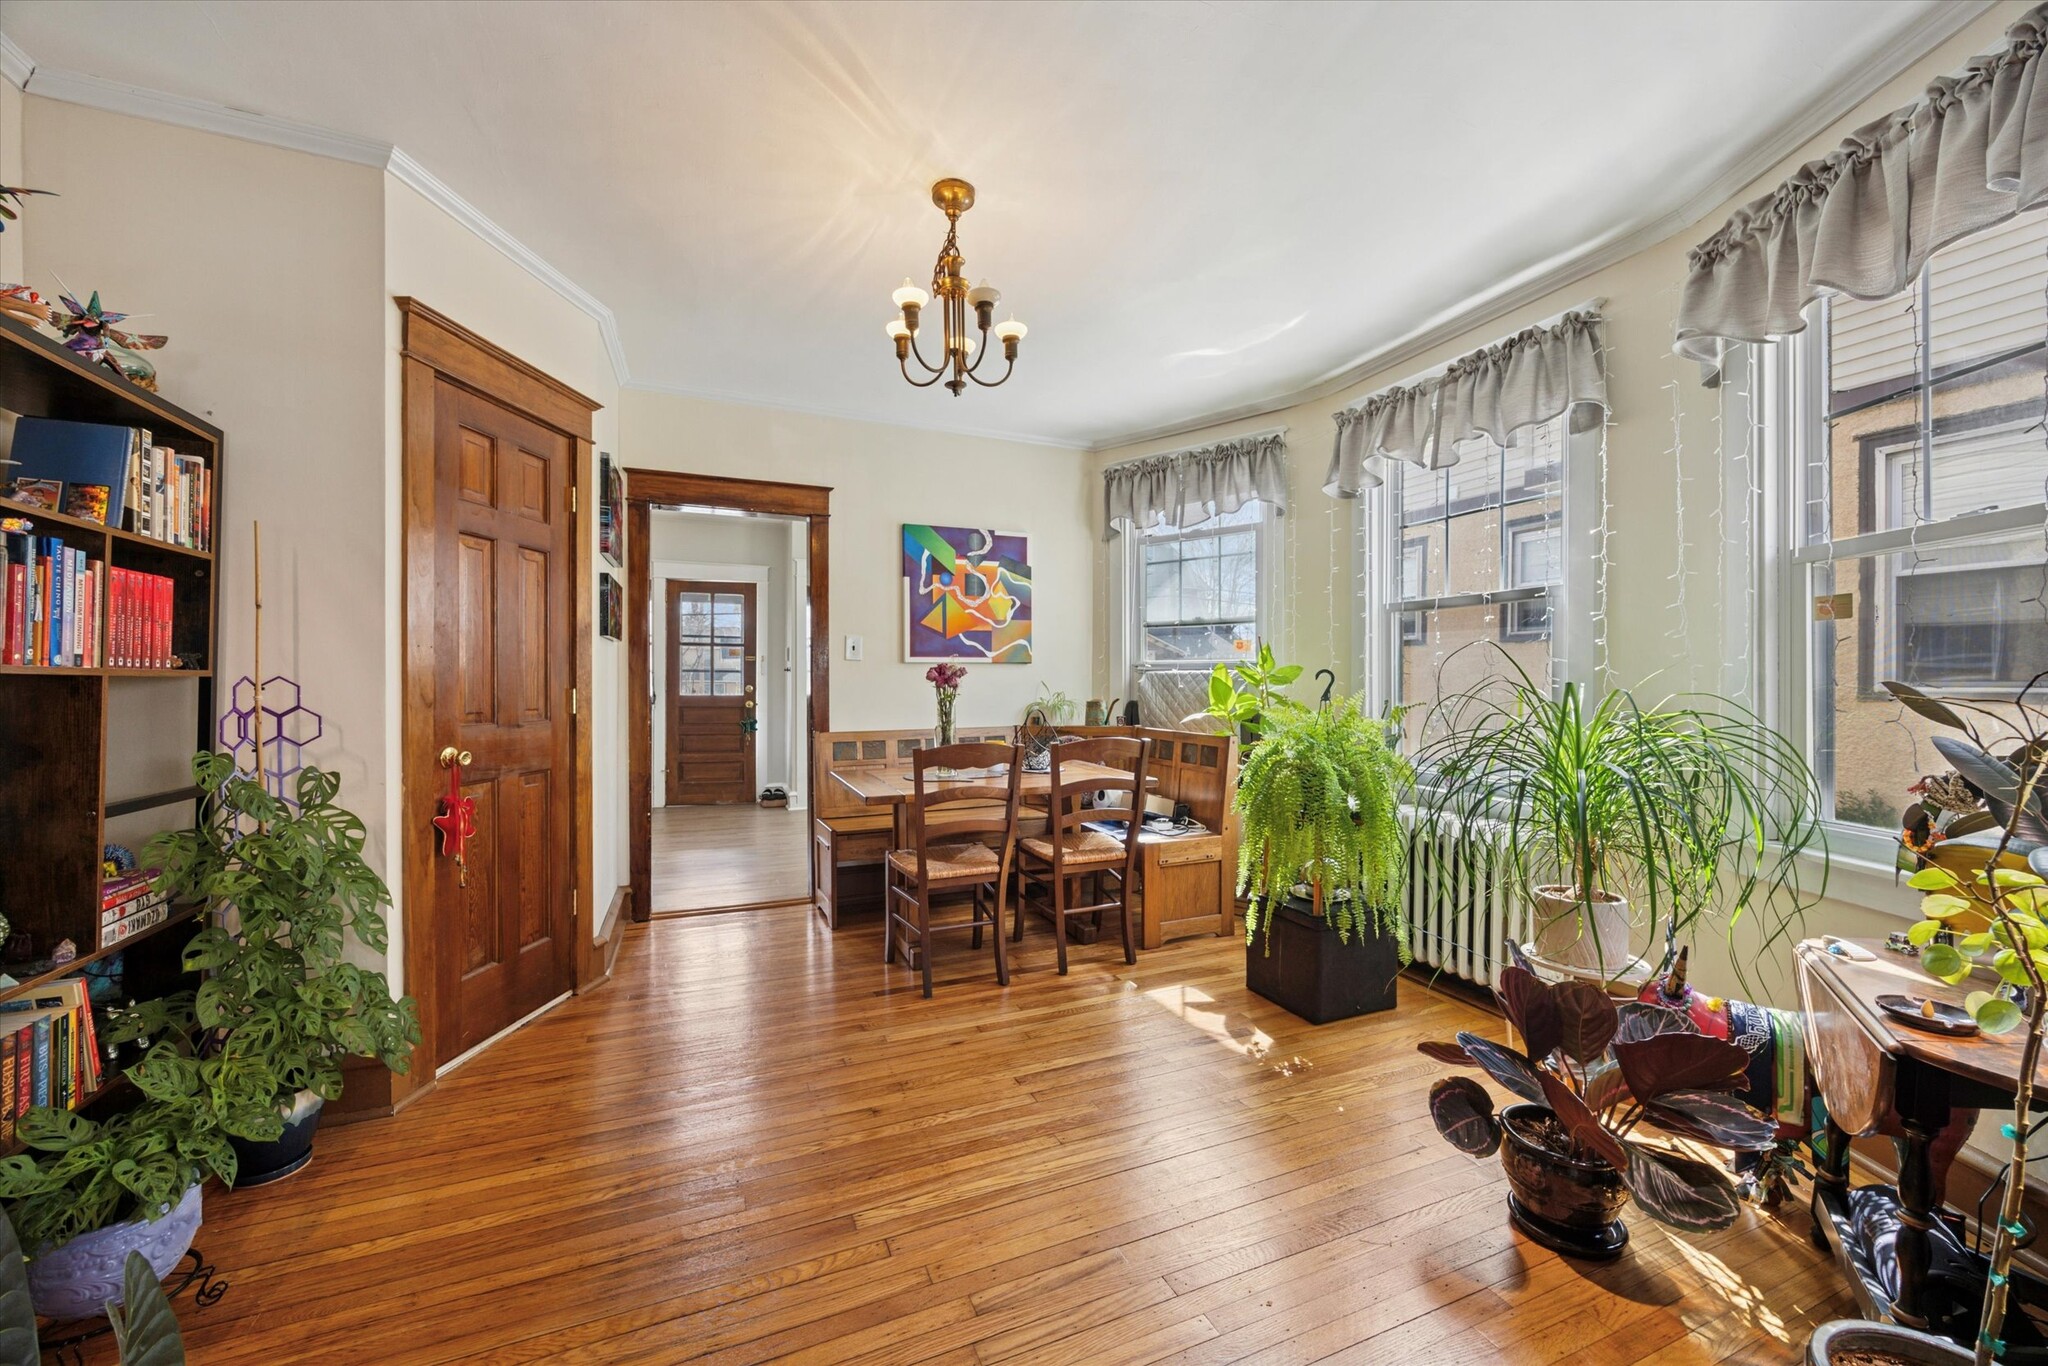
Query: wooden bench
point(849, 841)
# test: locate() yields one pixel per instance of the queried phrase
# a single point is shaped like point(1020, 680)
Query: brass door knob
point(451, 756)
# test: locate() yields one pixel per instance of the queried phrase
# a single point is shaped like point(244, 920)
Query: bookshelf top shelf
point(40, 378)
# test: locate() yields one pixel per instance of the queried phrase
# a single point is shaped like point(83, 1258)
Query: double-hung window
point(1910, 536)
point(1198, 591)
point(1476, 570)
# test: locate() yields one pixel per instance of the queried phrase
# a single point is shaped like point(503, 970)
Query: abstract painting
point(967, 594)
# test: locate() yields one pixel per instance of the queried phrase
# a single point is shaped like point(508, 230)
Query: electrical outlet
point(853, 647)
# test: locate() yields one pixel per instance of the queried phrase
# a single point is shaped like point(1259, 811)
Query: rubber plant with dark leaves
point(1602, 1071)
point(1991, 898)
point(280, 1005)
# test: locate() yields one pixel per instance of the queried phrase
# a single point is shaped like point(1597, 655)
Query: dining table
point(894, 788)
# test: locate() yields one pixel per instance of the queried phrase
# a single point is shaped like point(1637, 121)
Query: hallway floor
point(710, 857)
point(759, 1144)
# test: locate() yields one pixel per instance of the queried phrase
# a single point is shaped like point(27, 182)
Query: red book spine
point(117, 619)
point(163, 622)
point(24, 1069)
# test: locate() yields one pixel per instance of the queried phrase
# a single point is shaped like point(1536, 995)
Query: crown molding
point(1939, 24)
point(848, 415)
point(15, 67)
point(75, 87)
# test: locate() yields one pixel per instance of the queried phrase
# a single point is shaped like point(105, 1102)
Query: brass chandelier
point(949, 282)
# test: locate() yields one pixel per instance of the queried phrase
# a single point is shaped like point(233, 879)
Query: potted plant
point(1992, 903)
point(280, 1005)
point(88, 1193)
point(145, 1329)
point(1687, 809)
point(1591, 1074)
point(1322, 858)
point(1250, 696)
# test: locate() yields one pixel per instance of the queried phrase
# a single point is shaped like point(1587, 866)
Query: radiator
point(1462, 903)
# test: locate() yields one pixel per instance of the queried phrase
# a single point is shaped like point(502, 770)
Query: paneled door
point(505, 544)
point(712, 712)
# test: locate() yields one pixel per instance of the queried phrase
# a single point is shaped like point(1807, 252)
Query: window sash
point(1141, 621)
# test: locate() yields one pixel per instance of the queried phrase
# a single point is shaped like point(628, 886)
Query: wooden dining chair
point(961, 836)
point(1068, 852)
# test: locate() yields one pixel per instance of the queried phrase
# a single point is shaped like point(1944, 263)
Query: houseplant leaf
point(1922, 705)
point(18, 1344)
point(1582, 1124)
point(1640, 1020)
point(1504, 1065)
point(1714, 1117)
point(1531, 1006)
point(1463, 1112)
point(1451, 1053)
point(143, 1323)
point(1678, 1192)
point(1680, 1062)
point(1999, 781)
point(1586, 1019)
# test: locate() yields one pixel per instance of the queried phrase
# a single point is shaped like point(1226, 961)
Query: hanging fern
point(1317, 795)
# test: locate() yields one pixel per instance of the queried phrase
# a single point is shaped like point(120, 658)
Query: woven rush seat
point(949, 861)
point(1092, 847)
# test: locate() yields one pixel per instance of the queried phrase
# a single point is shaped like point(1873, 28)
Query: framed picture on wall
point(966, 595)
point(611, 607)
point(611, 510)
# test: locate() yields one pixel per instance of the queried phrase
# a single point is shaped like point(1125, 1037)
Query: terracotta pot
point(1568, 1206)
point(79, 1279)
point(1595, 938)
point(1832, 1344)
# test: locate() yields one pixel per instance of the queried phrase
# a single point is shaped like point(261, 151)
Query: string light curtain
point(1863, 220)
point(1185, 488)
point(1517, 382)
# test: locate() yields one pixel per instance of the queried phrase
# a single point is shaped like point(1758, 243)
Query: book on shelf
point(49, 1051)
point(117, 476)
point(129, 904)
point(53, 594)
point(139, 618)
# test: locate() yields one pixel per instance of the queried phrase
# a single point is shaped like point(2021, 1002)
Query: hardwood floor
point(707, 857)
point(759, 1144)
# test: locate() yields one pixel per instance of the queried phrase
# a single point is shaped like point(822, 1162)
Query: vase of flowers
point(945, 680)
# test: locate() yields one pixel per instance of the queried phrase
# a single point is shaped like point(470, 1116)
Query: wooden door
point(712, 711)
point(504, 550)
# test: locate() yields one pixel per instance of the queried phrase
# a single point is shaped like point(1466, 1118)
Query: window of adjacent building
point(1480, 563)
point(1916, 517)
point(1198, 591)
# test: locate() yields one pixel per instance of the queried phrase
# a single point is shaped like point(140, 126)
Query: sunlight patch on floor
point(1198, 1008)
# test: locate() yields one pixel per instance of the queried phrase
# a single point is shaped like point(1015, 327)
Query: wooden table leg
point(1830, 1175)
point(1923, 1105)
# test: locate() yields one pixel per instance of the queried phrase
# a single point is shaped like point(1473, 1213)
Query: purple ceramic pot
point(79, 1279)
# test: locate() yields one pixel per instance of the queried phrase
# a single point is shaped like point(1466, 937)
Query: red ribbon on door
point(456, 819)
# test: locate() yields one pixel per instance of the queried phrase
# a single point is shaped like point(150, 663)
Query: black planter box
point(1300, 964)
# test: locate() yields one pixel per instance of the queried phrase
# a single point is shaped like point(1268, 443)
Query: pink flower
point(945, 675)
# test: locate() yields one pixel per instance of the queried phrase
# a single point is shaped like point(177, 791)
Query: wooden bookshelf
point(55, 732)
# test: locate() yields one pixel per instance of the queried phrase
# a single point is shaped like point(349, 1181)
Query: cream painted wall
point(264, 267)
point(744, 543)
point(11, 100)
point(431, 257)
point(1645, 482)
point(884, 476)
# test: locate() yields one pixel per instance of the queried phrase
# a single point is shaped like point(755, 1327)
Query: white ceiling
point(1197, 208)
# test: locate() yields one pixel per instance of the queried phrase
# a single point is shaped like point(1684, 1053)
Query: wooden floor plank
point(760, 1144)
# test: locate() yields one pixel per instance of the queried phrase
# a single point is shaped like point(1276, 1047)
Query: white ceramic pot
point(1594, 937)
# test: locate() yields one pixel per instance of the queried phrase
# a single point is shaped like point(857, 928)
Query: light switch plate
point(853, 647)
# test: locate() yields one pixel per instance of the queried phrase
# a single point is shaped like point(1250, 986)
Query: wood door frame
point(436, 349)
point(648, 489)
point(751, 747)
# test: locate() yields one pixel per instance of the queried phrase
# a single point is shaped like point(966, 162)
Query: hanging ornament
point(89, 332)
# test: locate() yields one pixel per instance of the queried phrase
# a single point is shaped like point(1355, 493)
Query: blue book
point(76, 453)
point(57, 600)
point(41, 1055)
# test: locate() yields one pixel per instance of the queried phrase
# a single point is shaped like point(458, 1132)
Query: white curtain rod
point(1593, 305)
point(1200, 445)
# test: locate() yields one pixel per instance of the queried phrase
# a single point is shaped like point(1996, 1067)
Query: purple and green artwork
point(967, 594)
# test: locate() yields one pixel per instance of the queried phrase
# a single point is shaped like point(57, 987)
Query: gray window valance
point(1863, 220)
point(1182, 488)
point(1517, 382)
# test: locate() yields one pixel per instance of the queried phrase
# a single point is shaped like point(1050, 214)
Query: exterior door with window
point(712, 703)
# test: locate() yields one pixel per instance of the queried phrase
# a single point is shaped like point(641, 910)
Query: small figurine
point(24, 305)
point(14, 193)
point(90, 334)
point(117, 859)
point(65, 952)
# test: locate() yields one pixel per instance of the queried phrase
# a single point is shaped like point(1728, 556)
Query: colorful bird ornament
point(91, 335)
point(14, 193)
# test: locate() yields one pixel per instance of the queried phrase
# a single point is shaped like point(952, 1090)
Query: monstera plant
point(1590, 1074)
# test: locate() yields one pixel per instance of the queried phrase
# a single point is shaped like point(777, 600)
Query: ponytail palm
point(1318, 797)
point(1692, 809)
